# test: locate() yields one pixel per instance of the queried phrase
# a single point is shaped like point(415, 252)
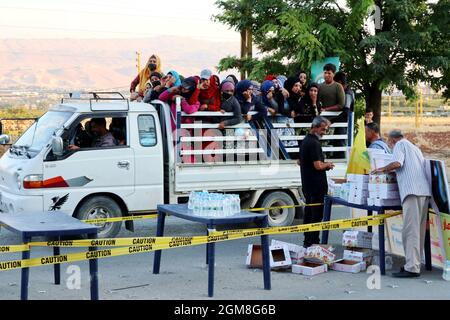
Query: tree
point(409, 45)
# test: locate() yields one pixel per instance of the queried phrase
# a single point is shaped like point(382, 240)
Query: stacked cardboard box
point(358, 188)
point(383, 188)
point(358, 248)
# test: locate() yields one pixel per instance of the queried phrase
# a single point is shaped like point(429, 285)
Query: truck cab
point(90, 182)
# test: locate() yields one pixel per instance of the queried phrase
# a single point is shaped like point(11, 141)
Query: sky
point(35, 19)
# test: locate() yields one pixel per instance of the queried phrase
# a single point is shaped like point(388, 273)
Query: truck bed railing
point(231, 142)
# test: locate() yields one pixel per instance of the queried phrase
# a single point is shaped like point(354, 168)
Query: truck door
point(147, 144)
point(93, 166)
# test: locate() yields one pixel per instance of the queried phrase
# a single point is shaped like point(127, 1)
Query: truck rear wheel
point(279, 217)
point(100, 207)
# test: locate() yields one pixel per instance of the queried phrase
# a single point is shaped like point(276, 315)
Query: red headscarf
point(211, 96)
point(271, 77)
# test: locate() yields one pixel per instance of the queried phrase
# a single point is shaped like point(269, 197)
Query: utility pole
point(138, 60)
point(246, 37)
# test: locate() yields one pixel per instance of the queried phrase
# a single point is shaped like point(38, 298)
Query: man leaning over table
point(415, 192)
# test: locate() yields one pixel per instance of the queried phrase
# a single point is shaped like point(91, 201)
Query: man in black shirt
point(314, 177)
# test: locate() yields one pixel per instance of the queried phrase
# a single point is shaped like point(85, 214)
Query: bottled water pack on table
point(207, 204)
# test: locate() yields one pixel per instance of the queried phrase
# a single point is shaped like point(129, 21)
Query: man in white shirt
point(415, 192)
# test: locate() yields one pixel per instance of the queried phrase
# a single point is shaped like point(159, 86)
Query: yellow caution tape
point(14, 248)
point(177, 242)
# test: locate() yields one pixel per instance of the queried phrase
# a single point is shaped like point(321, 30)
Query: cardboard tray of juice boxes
point(316, 259)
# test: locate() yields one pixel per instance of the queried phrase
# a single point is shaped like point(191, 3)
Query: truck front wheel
point(279, 217)
point(101, 207)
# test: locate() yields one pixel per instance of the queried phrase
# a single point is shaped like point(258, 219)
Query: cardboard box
point(358, 193)
point(358, 178)
point(279, 257)
point(384, 194)
point(358, 239)
point(357, 200)
point(296, 252)
point(320, 254)
point(362, 186)
point(383, 178)
point(370, 202)
point(376, 241)
point(348, 266)
point(309, 268)
point(357, 254)
point(382, 187)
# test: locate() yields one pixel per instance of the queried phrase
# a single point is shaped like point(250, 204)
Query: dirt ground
point(432, 136)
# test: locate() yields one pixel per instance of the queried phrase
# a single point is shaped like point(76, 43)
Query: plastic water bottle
point(446, 273)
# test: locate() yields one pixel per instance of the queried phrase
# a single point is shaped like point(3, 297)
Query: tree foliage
point(411, 45)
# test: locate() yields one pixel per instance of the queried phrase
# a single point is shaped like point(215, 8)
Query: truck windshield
point(39, 134)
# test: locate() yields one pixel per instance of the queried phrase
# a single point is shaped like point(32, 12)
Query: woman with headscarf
point(188, 92)
point(155, 81)
point(249, 102)
point(172, 79)
point(309, 105)
point(269, 95)
point(232, 78)
point(293, 87)
point(303, 77)
point(153, 65)
point(209, 95)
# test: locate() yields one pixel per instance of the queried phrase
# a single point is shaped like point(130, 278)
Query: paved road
point(184, 274)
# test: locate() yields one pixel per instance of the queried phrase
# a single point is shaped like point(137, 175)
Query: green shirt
point(331, 95)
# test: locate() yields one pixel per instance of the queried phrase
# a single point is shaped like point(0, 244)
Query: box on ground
point(358, 178)
point(279, 257)
point(309, 268)
point(359, 255)
point(348, 266)
point(320, 254)
point(382, 187)
point(296, 252)
point(358, 239)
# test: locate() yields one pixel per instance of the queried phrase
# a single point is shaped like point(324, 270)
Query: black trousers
point(313, 214)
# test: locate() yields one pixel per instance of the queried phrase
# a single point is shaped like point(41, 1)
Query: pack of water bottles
point(207, 204)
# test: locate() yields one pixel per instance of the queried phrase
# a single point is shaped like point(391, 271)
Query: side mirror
point(4, 139)
point(57, 146)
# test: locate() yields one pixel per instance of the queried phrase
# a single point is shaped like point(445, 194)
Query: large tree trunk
point(373, 101)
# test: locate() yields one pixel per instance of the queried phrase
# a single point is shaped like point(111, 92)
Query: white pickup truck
point(145, 167)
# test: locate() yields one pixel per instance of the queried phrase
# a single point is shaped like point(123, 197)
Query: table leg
point(326, 217)
point(93, 270)
point(25, 273)
point(265, 254)
point(381, 246)
point(369, 213)
point(57, 267)
point(159, 233)
point(211, 260)
point(207, 250)
point(428, 261)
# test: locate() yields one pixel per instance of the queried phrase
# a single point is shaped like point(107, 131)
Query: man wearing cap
point(415, 192)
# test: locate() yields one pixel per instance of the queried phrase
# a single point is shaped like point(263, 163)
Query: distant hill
point(101, 63)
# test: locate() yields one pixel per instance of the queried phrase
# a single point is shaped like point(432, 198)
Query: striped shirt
point(411, 176)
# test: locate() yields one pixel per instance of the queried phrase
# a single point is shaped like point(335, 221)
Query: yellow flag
point(359, 162)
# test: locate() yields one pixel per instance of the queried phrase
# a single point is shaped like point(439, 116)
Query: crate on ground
point(320, 254)
point(296, 252)
point(309, 268)
point(357, 239)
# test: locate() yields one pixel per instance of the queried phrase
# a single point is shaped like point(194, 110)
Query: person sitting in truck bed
point(209, 95)
point(153, 65)
point(172, 79)
point(102, 137)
